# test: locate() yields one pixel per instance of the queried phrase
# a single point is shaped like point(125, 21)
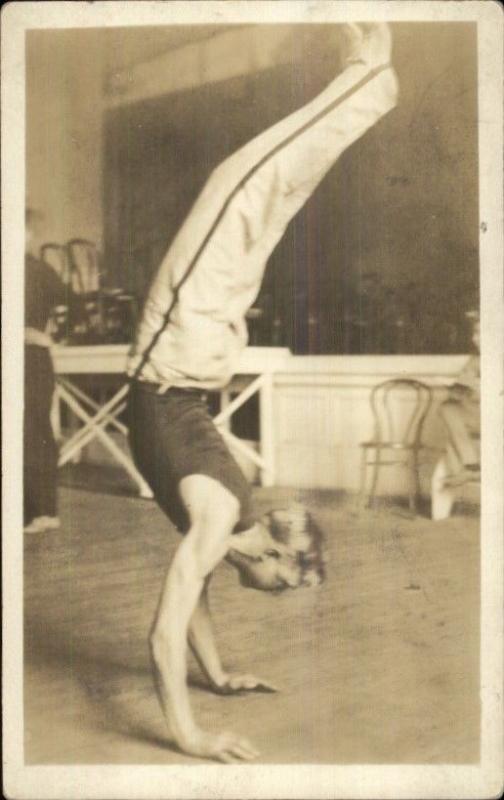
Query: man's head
point(283, 550)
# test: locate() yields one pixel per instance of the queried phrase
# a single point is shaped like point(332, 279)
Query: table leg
point(80, 395)
point(267, 442)
point(95, 426)
point(442, 496)
point(102, 417)
point(225, 399)
point(78, 442)
point(238, 401)
point(244, 449)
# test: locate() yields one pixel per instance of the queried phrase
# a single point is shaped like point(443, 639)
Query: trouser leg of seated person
point(461, 422)
point(40, 449)
point(213, 513)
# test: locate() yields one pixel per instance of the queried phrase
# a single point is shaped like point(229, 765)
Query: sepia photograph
point(252, 282)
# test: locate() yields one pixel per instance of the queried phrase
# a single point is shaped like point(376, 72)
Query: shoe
point(51, 523)
point(41, 524)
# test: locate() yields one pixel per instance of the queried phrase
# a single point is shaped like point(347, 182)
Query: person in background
point(461, 412)
point(43, 291)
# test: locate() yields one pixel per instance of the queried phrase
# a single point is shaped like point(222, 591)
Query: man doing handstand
point(190, 336)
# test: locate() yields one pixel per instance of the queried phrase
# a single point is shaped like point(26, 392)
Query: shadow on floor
point(101, 479)
point(113, 687)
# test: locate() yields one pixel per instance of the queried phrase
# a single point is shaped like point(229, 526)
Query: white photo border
point(264, 781)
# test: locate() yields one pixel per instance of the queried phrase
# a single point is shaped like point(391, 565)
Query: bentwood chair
point(86, 283)
point(400, 407)
point(57, 257)
point(85, 266)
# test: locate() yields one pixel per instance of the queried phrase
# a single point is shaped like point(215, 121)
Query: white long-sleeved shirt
point(193, 325)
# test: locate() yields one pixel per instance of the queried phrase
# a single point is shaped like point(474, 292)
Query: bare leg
point(453, 416)
point(442, 497)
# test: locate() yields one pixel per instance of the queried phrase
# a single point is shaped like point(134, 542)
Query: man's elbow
point(159, 647)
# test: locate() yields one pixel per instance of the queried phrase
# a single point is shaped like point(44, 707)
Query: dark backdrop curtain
point(384, 256)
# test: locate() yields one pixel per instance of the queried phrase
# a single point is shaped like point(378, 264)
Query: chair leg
point(442, 497)
point(413, 481)
point(363, 475)
point(374, 480)
point(418, 488)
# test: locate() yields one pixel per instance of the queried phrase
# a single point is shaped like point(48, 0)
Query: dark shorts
point(172, 436)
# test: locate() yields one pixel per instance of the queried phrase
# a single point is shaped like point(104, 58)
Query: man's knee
point(213, 512)
point(208, 503)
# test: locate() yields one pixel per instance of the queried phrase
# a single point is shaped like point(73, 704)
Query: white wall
point(320, 408)
point(70, 80)
point(322, 413)
point(225, 55)
point(64, 133)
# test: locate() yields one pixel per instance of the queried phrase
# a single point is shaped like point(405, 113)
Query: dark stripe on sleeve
point(280, 146)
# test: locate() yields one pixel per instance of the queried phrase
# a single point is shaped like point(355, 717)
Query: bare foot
point(368, 44)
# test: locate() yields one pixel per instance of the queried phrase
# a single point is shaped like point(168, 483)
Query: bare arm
point(202, 643)
point(179, 596)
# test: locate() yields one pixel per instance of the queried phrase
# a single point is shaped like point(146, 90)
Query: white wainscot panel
point(306, 416)
point(319, 428)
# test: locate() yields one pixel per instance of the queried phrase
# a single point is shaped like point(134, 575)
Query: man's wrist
point(220, 679)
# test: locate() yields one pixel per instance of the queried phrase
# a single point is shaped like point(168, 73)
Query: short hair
point(295, 528)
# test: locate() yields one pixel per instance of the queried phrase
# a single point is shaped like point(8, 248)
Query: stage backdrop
point(384, 257)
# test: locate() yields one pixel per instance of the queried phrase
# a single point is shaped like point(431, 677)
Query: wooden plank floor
point(379, 665)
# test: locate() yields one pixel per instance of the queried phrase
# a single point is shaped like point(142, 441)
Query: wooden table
point(254, 375)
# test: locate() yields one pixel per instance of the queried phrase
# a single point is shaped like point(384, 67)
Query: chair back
point(57, 257)
point(85, 267)
point(399, 408)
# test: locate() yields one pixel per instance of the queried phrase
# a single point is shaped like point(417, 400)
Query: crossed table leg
point(95, 426)
point(96, 419)
point(263, 384)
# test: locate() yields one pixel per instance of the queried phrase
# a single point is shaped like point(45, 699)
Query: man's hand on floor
point(238, 684)
point(227, 747)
